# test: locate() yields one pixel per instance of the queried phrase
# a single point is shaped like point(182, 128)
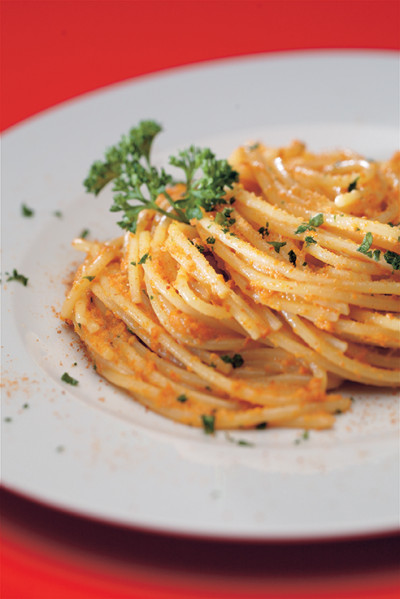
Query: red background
point(54, 50)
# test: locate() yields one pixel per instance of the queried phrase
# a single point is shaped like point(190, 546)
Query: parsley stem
point(178, 211)
point(181, 219)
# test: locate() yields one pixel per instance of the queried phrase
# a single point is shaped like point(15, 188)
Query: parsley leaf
point(277, 245)
point(143, 258)
point(84, 233)
point(241, 442)
point(210, 240)
point(208, 423)
point(366, 244)
point(393, 259)
point(27, 211)
point(292, 257)
point(353, 184)
point(68, 379)
point(264, 231)
point(261, 425)
point(137, 183)
point(182, 398)
point(376, 255)
point(224, 219)
point(309, 240)
point(236, 360)
point(314, 221)
point(317, 220)
point(16, 276)
point(304, 437)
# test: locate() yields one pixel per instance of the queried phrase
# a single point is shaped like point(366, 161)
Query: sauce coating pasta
point(254, 314)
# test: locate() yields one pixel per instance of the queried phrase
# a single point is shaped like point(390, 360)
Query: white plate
point(91, 450)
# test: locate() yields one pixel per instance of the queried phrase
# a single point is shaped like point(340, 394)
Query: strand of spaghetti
point(385, 360)
point(188, 331)
point(192, 307)
point(285, 224)
point(185, 414)
point(366, 333)
point(134, 272)
point(357, 370)
point(357, 227)
point(190, 297)
point(131, 313)
point(258, 281)
point(194, 262)
point(283, 181)
point(314, 248)
point(170, 370)
point(261, 261)
point(387, 321)
point(85, 245)
point(86, 274)
point(314, 310)
point(122, 355)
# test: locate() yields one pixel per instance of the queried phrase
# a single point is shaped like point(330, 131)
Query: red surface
point(54, 50)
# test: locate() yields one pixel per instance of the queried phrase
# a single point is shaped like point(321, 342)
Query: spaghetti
point(250, 315)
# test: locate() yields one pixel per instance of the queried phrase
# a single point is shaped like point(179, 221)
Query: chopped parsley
point(89, 277)
point(353, 184)
point(366, 244)
point(201, 248)
point(241, 442)
point(236, 360)
point(84, 233)
point(304, 437)
point(68, 379)
point(315, 221)
point(143, 259)
point(182, 398)
point(210, 240)
point(390, 257)
point(28, 212)
point(254, 146)
point(7, 419)
point(58, 213)
point(264, 231)
point(208, 421)
point(136, 180)
point(261, 426)
point(393, 259)
point(16, 276)
point(224, 219)
point(292, 257)
point(277, 245)
point(376, 254)
point(309, 240)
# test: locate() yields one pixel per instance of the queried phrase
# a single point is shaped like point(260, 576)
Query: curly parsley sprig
point(137, 183)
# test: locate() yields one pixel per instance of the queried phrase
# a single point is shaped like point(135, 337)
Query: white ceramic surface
point(90, 449)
